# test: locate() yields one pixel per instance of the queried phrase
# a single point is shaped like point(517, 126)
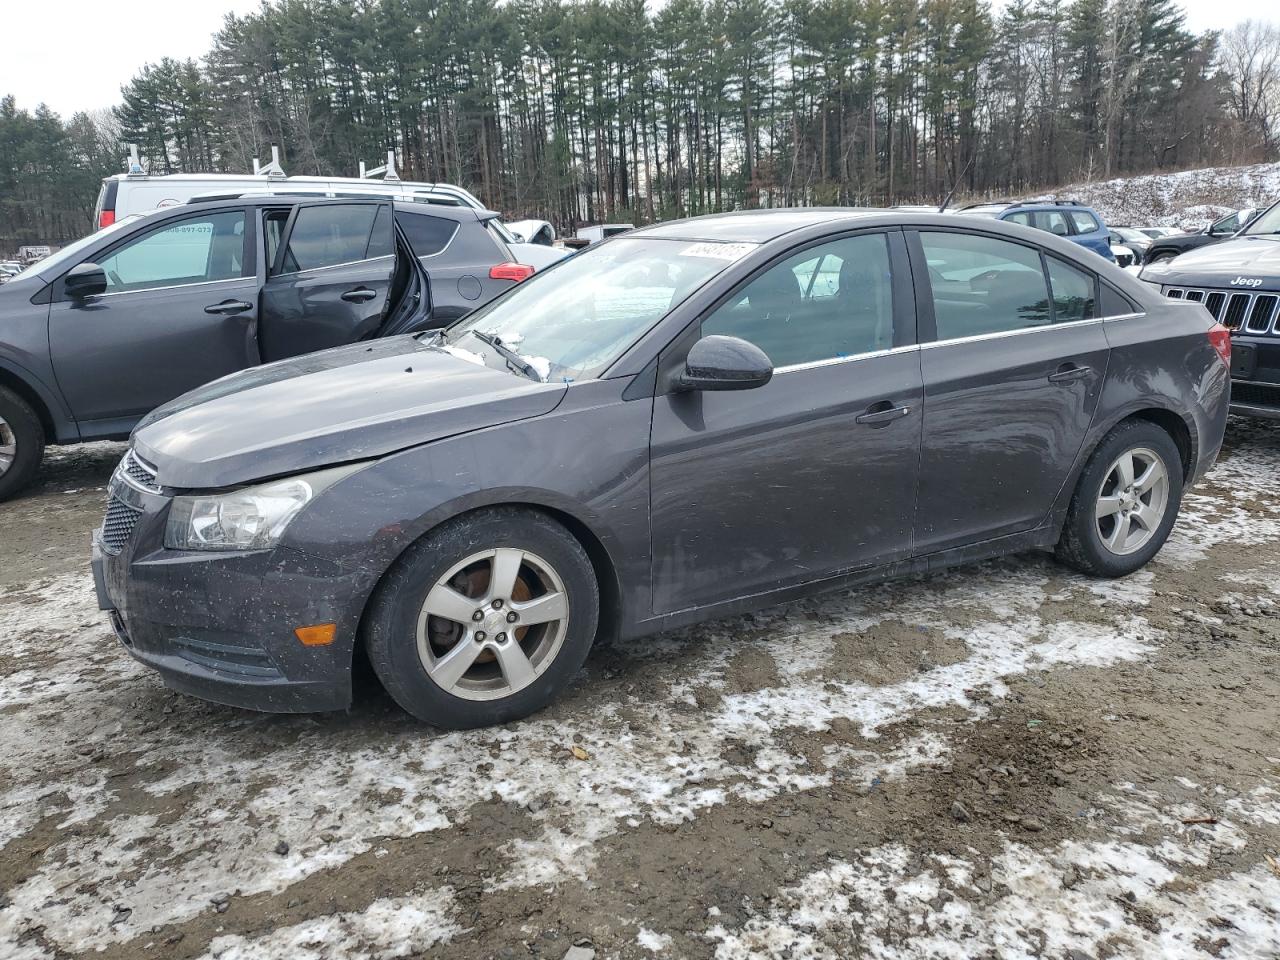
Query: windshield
point(55, 262)
point(571, 322)
point(1268, 223)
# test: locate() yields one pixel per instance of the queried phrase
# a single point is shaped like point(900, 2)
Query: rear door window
point(1022, 218)
point(329, 234)
point(195, 250)
point(427, 235)
point(984, 285)
point(1085, 222)
point(1052, 221)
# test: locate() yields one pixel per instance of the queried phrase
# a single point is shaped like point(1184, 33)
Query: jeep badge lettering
point(1246, 282)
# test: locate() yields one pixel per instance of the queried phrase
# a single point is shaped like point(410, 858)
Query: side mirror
point(725, 363)
point(85, 280)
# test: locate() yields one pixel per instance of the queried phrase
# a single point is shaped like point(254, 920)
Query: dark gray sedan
point(693, 420)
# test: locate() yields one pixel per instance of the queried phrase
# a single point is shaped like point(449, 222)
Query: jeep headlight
point(251, 518)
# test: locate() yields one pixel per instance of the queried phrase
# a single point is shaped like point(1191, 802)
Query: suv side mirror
point(725, 363)
point(85, 280)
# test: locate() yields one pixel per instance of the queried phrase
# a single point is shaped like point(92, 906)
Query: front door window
point(197, 250)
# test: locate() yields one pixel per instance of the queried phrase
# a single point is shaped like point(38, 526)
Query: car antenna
point(946, 202)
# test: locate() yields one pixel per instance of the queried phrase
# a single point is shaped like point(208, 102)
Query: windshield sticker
point(719, 251)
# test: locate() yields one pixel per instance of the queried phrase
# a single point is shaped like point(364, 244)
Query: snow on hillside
point(1185, 199)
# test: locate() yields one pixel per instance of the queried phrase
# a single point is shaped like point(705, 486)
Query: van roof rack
point(273, 170)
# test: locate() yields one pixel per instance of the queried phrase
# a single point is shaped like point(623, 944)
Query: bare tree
point(1250, 56)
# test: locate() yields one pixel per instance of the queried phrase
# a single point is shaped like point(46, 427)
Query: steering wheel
point(115, 278)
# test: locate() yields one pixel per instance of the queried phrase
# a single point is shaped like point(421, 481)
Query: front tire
point(1125, 502)
point(21, 443)
point(485, 619)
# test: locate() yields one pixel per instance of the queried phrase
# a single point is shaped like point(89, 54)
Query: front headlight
point(249, 519)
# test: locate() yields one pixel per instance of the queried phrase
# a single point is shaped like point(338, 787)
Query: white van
point(125, 194)
point(603, 231)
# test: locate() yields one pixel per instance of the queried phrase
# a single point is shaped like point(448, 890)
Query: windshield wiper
point(512, 358)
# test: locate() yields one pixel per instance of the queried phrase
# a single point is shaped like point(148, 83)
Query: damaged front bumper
point(220, 626)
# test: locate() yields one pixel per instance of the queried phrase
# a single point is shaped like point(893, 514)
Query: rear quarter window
point(427, 235)
point(1114, 304)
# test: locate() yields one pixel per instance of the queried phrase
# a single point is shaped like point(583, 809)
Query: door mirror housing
point(725, 363)
point(85, 280)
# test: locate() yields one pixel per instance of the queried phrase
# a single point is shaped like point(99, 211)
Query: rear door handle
point(1070, 372)
point(228, 307)
point(359, 295)
point(879, 414)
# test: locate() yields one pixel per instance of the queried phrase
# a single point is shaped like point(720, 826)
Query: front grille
point(1255, 394)
point(1124, 259)
point(140, 472)
point(119, 524)
point(1246, 312)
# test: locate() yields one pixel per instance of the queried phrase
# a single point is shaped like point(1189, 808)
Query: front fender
point(588, 462)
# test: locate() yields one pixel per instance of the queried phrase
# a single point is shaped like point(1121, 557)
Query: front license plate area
point(1244, 360)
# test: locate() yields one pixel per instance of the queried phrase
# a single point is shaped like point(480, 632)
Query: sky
point(93, 47)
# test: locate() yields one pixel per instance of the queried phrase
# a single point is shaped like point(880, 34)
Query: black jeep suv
point(1239, 284)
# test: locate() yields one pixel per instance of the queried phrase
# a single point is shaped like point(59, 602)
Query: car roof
point(758, 226)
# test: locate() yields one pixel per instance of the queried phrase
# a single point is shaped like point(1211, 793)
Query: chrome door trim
point(331, 266)
point(172, 286)
point(852, 358)
point(1001, 334)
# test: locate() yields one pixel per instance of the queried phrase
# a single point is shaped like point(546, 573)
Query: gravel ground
point(1003, 761)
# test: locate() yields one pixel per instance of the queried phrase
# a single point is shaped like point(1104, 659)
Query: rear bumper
point(220, 627)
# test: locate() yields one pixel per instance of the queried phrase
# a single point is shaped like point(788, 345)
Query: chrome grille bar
point(1257, 313)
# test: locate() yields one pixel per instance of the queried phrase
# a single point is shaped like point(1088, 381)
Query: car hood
point(1247, 264)
point(337, 406)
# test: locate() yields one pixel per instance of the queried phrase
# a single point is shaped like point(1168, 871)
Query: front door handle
point(359, 295)
point(882, 413)
point(227, 307)
point(1070, 372)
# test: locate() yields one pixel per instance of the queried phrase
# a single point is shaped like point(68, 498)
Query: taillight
point(1220, 340)
point(510, 271)
point(106, 218)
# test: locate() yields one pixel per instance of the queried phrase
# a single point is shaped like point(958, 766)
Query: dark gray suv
point(692, 420)
point(130, 317)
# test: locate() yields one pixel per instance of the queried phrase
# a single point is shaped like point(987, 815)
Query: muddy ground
point(1004, 761)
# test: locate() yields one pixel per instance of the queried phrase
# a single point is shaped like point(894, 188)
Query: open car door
point(331, 279)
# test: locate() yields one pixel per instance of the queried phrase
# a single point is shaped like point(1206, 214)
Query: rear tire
point(1125, 502)
point(21, 443)
point(485, 619)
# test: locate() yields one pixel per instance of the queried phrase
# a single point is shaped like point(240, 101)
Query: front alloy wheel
point(492, 624)
point(485, 619)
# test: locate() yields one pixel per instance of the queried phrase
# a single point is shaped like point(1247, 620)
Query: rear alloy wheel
point(485, 619)
point(21, 443)
point(1125, 502)
point(1131, 504)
